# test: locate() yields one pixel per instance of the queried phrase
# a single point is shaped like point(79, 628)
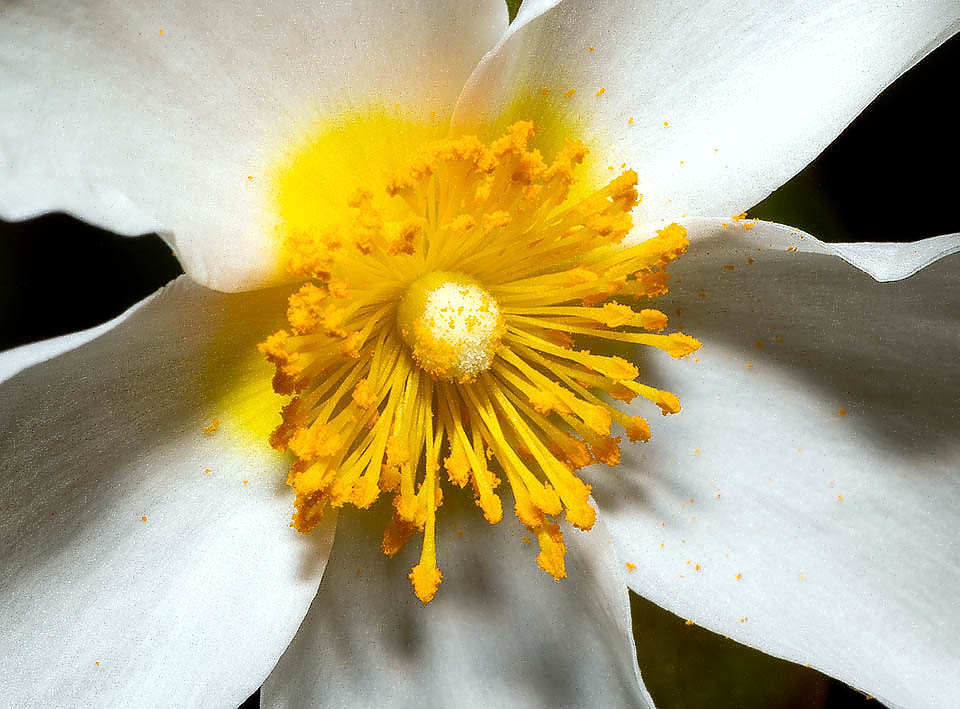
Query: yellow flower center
point(447, 319)
point(452, 325)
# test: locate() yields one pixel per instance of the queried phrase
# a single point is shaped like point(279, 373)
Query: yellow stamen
point(451, 316)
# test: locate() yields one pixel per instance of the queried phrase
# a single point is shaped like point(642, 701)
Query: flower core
point(452, 325)
point(444, 323)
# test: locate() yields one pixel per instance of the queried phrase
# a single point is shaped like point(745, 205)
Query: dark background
point(891, 176)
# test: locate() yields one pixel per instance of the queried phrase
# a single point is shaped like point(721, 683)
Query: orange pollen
point(452, 325)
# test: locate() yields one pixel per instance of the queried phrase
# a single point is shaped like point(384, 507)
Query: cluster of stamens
point(448, 331)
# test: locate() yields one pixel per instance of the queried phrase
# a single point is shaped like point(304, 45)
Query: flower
point(134, 575)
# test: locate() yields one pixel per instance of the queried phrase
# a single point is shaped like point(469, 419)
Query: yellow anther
point(363, 394)
point(308, 512)
point(307, 309)
point(365, 492)
point(495, 220)
point(313, 443)
point(463, 223)
point(338, 288)
point(395, 536)
point(458, 465)
point(350, 345)
point(678, 345)
point(581, 515)
point(650, 320)
point(491, 506)
point(596, 418)
point(552, 551)
point(426, 581)
point(402, 236)
point(638, 429)
point(607, 450)
point(617, 315)
point(668, 403)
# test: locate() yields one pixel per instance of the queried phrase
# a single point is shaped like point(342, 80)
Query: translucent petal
point(500, 632)
point(804, 500)
point(143, 116)
point(144, 561)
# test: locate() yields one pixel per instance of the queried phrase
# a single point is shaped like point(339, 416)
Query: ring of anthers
point(454, 336)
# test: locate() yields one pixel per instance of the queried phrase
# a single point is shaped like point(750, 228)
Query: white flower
point(812, 479)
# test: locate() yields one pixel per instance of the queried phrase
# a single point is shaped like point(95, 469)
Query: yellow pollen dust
point(451, 325)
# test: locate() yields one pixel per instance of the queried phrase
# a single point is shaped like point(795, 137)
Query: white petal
point(884, 261)
point(500, 632)
point(822, 467)
point(137, 130)
point(892, 262)
point(752, 91)
point(19, 358)
point(117, 548)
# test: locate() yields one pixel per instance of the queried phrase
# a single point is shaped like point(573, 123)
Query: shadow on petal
point(883, 353)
